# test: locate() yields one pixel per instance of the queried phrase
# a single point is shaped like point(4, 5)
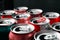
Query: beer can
point(56, 26)
point(5, 25)
point(21, 9)
point(35, 12)
point(22, 18)
point(47, 35)
point(43, 22)
point(53, 16)
point(22, 32)
point(8, 13)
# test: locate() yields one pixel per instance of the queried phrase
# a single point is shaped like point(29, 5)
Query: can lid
point(51, 14)
point(7, 22)
point(35, 11)
point(47, 36)
point(22, 16)
point(23, 8)
point(22, 28)
point(8, 12)
point(40, 20)
point(56, 26)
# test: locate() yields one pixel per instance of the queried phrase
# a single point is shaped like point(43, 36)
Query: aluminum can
point(8, 13)
point(47, 35)
point(53, 16)
point(22, 18)
point(5, 25)
point(21, 9)
point(22, 32)
point(35, 12)
point(43, 22)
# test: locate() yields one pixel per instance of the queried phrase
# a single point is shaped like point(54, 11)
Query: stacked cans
point(23, 24)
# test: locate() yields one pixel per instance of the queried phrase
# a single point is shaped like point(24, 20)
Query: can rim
point(54, 25)
point(40, 23)
point(8, 12)
point(36, 11)
point(56, 15)
point(12, 22)
point(22, 32)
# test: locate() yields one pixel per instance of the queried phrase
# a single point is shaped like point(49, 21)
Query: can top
point(7, 22)
point(47, 36)
point(35, 11)
point(21, 8)
point(22, 28)
point(8, 12)
point(40, 20)
point(56, 26)
point(22, 16)
point(51, 14)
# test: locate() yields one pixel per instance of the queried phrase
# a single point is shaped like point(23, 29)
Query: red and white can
point(7, 13)
point(22, 32)
point(22, 18)
point(35, 12)
point(22, 9)
point(53, 16)
point(47, 35)
point(43, 22)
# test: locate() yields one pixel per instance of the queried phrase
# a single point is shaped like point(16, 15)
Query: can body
point(25, 36)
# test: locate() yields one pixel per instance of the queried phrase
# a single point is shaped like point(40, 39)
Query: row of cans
point(32, 24)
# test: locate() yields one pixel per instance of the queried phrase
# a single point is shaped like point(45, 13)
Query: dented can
point(35, 12)
point(22, 32)
point(53, 16)
point(47, 35)
point(22, 9)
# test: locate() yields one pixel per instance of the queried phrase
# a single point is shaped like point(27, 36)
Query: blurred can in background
point(5, 25)
point(22, 18)
point(7, 13)
point(47, 35)
point(22, 32)
point(21, 9)
point(35, 12)
point(53, 16)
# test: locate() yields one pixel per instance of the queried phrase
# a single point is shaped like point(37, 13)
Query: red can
point(22, 32)
point(35, 12)
point(22, 18)
point(8, 13)
point(43, 22)
point(22, 9)
point(53, 16)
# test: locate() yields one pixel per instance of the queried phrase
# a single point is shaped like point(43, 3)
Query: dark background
point(46, 5)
